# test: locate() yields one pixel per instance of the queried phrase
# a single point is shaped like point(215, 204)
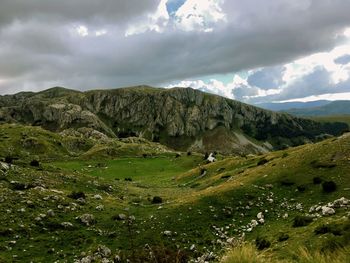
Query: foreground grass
point(247, 253)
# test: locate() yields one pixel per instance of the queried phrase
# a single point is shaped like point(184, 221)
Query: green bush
point(329, 186)
point(157, 200)
point(300, 221)
point(262, 243)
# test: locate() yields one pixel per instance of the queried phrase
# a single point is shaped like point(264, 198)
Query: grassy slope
point(333, 118)
point(193, 204)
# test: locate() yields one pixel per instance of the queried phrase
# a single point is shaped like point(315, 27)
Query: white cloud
point(198, 15)
point(153, 22)
point(193, 15)
point(100, 32)
point(82, 31)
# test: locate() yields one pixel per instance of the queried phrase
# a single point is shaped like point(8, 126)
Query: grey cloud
point(39, 50)
point(89, 11)
point(241, 92)
point(267, 78)
point(317, 82)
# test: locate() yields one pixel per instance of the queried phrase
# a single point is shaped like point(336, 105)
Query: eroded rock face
point(180, 117)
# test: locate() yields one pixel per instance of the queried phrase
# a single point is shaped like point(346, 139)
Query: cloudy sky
point(252, 50)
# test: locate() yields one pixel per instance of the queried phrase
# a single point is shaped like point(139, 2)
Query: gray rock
point(87, 219)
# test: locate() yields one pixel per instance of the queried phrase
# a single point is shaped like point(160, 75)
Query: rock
point(4, 166)
point(261, 221)
point(340, 202)
point(100, 207)
point(326, 211)
point(285, 216)
point(98, 197)
point(66, 224)
point(254, 223)
point(81, 201)
point(87, 219)
point(50, 213)
point(211, 158)
point(167, 233)
point(88, 259)
point(193, 246)
point(120, 217)
point(260, 215)
point(104, 251)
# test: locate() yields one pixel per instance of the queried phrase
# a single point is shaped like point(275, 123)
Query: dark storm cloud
point(74, 10)
point(39, 45)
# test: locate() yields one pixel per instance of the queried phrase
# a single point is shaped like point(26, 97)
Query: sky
point(253, 51)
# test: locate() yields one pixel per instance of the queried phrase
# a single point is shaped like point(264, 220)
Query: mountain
point(181, 118)
point(280, 106)
point(333, 108)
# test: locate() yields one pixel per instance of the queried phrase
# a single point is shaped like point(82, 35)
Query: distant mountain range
point(331, 108)
point(181, 118)
point(285, 106)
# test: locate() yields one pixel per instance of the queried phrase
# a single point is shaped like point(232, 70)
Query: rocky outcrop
point(182, 118)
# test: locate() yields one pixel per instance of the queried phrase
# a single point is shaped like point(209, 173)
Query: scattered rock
point(87, 219)
point(327, 211)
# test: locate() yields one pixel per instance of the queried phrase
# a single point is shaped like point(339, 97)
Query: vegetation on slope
point(180, 206)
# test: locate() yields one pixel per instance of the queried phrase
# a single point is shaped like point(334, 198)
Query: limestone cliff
point(182, 118)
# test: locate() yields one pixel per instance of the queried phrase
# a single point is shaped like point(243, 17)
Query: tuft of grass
point(306, 256)
point(245, 253)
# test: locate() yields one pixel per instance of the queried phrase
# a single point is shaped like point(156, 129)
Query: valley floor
point(177, 208)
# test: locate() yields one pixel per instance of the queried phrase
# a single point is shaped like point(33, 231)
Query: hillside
point(167, 207)
point(332, 108)
point(181, 118)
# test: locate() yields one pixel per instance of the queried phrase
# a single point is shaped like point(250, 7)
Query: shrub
point(301, 188)
point(8, 159)
point(262, 243)
point(206, 155)
point(128, 179)
point(157, 200)
point(144, 155)
point(300, 221)
point(332, 228)
point(77, 195)
point(332, 244)
point(283, 237)
point(287, 182)
point(317, 180)
point(177, 155)
point(262, 161)
point(189, 153)
point(285, 154)
point(34, 163)
point(329, 186)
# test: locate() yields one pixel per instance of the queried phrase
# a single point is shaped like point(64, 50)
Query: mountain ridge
point(333, 108)
point(182, 118)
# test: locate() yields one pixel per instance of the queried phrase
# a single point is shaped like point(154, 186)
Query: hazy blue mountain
point(333, 108)
point(280, 106)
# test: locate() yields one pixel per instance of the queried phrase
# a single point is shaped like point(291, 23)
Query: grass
point(333, 118)
point(247, 253)
point(197, 210)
